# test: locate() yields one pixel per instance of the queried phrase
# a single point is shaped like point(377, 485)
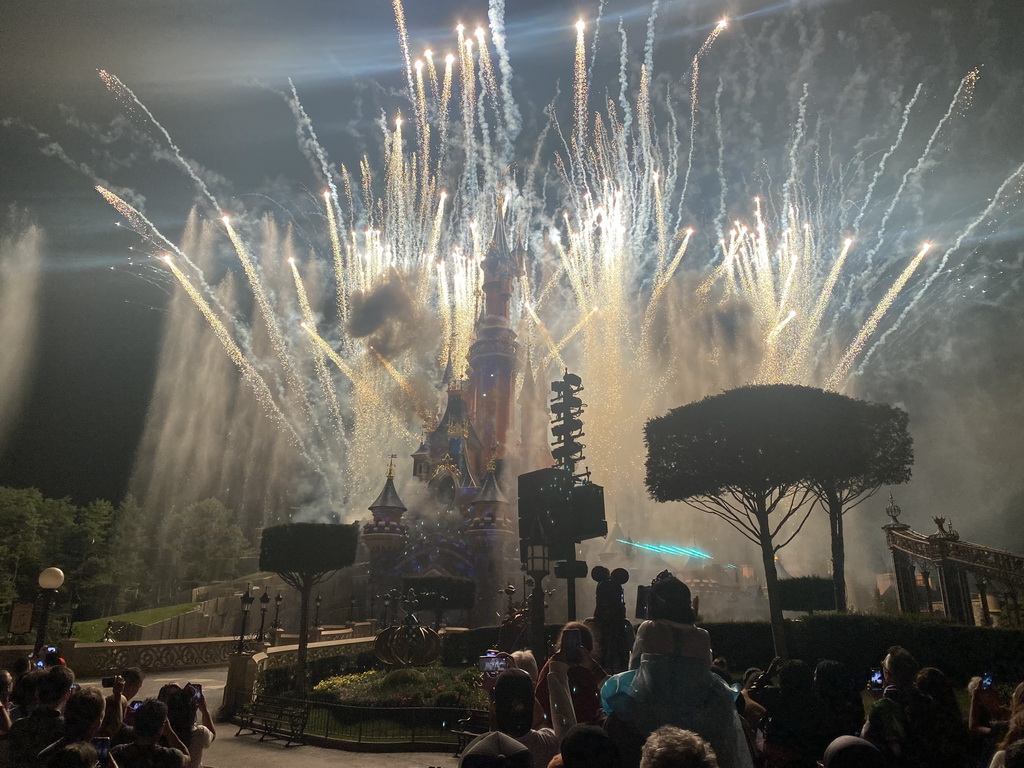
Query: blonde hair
point(671, 747)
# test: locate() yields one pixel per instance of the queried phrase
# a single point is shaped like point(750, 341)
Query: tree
point(207, 543)
point(748, 456)
point(879, 452)
point(304, 554)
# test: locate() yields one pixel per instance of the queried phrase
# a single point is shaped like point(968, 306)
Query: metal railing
point(421, 726)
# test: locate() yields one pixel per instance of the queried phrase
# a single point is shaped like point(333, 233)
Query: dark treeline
point(115, 558)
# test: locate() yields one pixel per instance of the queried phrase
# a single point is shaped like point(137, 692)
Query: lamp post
point(264, 602)
point(75, 602)
point(352, 610)
point(316, 620)
point(247, 601)
point(277, 611)
point(537, 565)
point(49, 582)
point(387, 605)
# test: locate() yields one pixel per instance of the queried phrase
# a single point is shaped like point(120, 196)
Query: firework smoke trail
point(597, 37)
point(147, 229)
point(624, 105)
point(403, 42)
point(543, 332)
point(308, 142)
point(364, 389)
point(694, 87)
point(403, 382)
point(249, 373)
point(880, 171)
point(799, 134)
point(490, 83)
point(322, 374)
point(339, 262)
point(556, 350)
point(661, 282)
point(422, 131)
point(443, 112)
point(269, 316)
point(996, 199)
point(871, 325)
point(488, 90)
point(963, 93)
point(512, 121)
point(468, 82)
point(310, 145)
point(810, 327)
point(116, 86)
point(722, 186)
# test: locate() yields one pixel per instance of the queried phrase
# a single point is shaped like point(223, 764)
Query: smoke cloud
point(21, 247)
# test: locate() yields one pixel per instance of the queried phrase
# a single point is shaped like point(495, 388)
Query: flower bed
point(433, 686)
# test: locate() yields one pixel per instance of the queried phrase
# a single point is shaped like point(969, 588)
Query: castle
point(468, 462)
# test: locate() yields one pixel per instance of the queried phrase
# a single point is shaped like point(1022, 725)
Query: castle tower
point(493, 356)
point(490, 534)
point(385, 536)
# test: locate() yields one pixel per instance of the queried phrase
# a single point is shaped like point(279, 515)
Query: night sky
point(211, 71)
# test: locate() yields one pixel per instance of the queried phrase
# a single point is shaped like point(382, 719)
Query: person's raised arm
point(113, 714)
point(207, 720)
point(5, 720)
point(172, 740)
point(563, 714)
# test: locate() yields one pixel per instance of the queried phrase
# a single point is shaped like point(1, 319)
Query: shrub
point(433, 686)
point(401, 678)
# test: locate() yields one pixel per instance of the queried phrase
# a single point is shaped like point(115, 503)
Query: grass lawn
point(92, 631)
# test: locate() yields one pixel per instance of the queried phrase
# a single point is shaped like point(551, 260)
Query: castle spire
point(499, 239)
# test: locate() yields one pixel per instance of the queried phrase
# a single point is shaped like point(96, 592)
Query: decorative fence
point(420, 727)
point(286, 655)
point(97, 659)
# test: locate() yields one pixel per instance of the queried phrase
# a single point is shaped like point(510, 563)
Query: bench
point(274, 717)
point(468, 728)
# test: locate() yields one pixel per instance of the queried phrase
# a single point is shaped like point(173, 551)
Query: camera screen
point(102, 745)
point(493, 664)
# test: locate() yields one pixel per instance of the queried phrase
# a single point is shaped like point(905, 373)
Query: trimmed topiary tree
point(304, 554)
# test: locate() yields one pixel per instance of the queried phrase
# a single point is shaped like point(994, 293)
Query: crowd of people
point(675, 705)
point(668, 704)
point(47, 720)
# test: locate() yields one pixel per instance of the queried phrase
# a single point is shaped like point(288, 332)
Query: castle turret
point(490, 534)
point(385, 537)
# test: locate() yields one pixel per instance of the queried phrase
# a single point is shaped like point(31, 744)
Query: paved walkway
point(229, 751)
